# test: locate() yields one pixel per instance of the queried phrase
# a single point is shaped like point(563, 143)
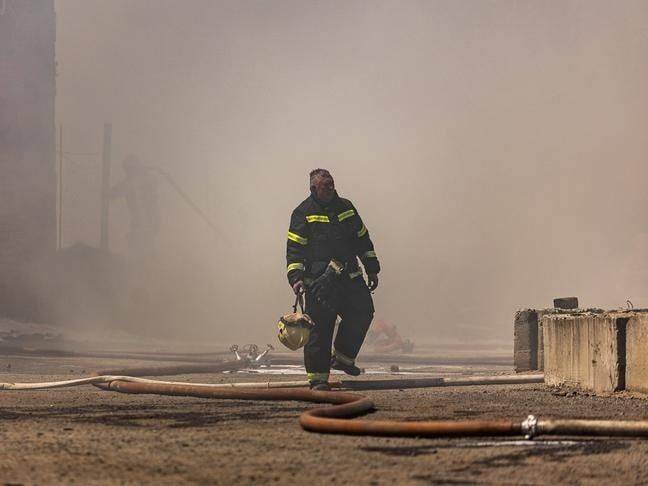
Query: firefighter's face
point(324, 188)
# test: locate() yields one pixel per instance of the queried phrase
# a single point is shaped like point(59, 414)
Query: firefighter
point(325, 240)
point(139, 188)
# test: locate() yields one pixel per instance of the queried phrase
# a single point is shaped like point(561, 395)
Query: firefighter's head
point(322, 185)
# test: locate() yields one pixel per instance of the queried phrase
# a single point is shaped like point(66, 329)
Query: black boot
point(349, 369)
point(318, 385)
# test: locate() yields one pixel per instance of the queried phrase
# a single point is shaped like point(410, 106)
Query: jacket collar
point(321, 203)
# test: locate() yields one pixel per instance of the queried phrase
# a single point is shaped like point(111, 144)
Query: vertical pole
point(105, 185)
point(60, 190)
point(207, 182)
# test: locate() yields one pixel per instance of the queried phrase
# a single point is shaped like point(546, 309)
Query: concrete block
point(637, 353)
point(586, 351)
point(540, 360)
point(566, 303)
point(525, 340)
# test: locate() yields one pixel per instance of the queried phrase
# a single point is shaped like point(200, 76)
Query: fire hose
point(344, 405)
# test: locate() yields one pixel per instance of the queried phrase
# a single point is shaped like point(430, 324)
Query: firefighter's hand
point(298, 288)
point(372, 281)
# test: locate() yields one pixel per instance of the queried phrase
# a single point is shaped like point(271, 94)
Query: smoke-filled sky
point(496, 149)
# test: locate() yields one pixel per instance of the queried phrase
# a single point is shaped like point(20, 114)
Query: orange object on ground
point(384, 338)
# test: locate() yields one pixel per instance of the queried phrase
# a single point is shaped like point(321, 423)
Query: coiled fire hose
point(344, 405)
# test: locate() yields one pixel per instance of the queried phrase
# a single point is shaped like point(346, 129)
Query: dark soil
point(88, 436)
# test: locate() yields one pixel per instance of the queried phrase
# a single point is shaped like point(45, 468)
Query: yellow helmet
point(295, 328)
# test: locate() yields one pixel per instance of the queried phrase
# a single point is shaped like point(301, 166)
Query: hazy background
point(496, 149)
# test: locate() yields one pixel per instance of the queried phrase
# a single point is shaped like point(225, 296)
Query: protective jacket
point(321, 232)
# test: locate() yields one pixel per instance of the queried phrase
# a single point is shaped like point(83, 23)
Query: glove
point(325, 287)
point(298, 287)
point(372, 281)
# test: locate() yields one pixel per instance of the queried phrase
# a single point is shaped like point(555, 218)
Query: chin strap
point(299, 300)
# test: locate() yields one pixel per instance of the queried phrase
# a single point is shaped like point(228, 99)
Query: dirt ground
point(88, 436)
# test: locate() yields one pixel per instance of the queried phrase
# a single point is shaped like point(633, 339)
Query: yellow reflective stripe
point(345, 215)
point(317, 218)
point(370, 254)
point(295, 266)
point(353, 275)
point(343, 357)
point(362, 232)
point(317, 376)
point(297, 239)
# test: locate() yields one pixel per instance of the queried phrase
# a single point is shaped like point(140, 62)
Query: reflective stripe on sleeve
point(297, 239)
point(353, 275)
point(295, 266)
point(346, 215)
point(317, 218)
point(370, 254)
point(362, 232)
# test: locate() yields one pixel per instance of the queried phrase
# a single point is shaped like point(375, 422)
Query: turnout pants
point(356, 310)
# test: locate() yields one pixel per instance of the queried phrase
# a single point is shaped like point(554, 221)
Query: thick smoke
point(497, 150)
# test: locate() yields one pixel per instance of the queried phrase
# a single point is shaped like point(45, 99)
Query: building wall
point(27, 151)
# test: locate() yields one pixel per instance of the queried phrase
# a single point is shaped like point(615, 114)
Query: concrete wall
point(525, 340)
point(637, 353)
point(528, 346)
point(587, 351)
point(541, 360)
point(27, 151)
point(603, 352)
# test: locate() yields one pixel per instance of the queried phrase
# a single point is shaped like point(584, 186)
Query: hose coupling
point(529, 427)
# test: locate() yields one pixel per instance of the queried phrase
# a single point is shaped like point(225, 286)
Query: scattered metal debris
point(250, 354)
